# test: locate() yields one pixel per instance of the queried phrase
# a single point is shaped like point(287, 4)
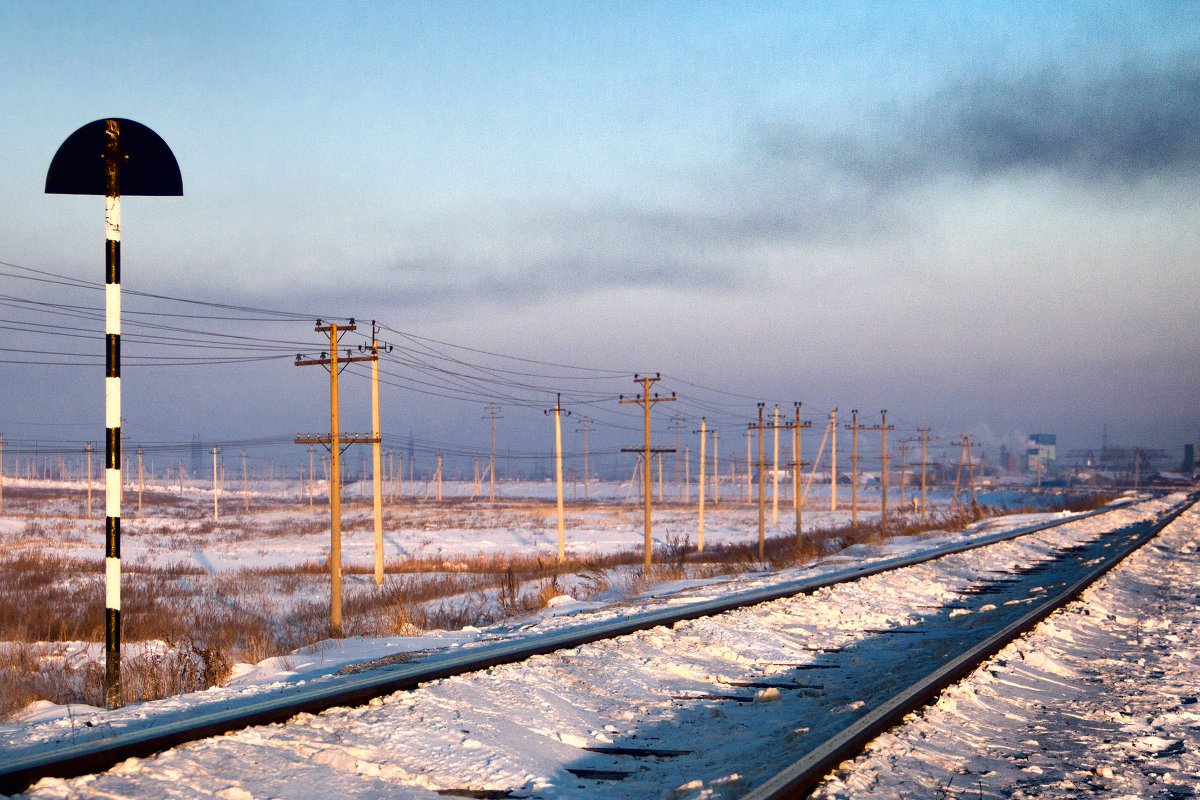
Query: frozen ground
point(283, 530)
point(1100, 701)
point(523, 726)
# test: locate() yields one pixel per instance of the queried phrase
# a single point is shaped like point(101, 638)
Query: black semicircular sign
point(150, 169)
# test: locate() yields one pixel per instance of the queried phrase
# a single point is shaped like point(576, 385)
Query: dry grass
point(203, 623)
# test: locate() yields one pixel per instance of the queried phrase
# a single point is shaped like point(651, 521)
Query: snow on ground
point(1101, 700)
point(76, 723)
point(183, 534)
point(524, 726)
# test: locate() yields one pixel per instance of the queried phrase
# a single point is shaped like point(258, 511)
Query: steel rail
point(17, 774)
point(803, 775)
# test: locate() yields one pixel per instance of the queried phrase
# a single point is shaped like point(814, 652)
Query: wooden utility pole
point(377, 487)
point(716, 472)
point(775, 470)
point(141, 481)
point(700, 532)
point(89, 476)
point(492, 457)
point(558, 475)
point(761, 504)
point(335, 442)
point(438, 494)
point(645, 400)
point(797, 494)
point(904, 443)
point(216, 487)
point(660, 479)
point(855, 428)
point(245, 483)
point(833, 461)
point(675, 460)
point(585, 458)
point(749, 461)
point(760, 466)
point(883, 459)
point(925, 440)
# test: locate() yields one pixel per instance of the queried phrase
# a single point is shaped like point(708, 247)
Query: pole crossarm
point(344, 439)
point(325, 361)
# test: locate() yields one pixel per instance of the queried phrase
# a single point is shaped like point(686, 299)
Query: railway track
point(1018, 595)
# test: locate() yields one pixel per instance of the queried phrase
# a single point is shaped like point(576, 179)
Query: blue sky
point(982, 216)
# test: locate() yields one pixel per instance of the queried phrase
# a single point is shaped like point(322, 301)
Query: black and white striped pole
point(112, 157)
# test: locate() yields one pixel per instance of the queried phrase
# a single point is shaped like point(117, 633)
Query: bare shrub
point(170, 669)
point(548, 591)
point(509, 597)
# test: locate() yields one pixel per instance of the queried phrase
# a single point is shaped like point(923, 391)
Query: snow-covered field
point(522, 727)
point(1102, 700)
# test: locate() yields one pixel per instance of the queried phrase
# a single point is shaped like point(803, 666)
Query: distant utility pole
point(925, 440)
point(716, 472)
point(700, 532)
point(883, 458)
point(761, 508)
point(797, 494)
point(377, 477)
point(216, 486)
point(558, 479)
point(855, 428)
point(245, 480)
point(749, 461)
point(833, 461)
point(761, 465)
point(585, 458)
point(335, 442)
point(775, 470)
point(675, 460)
point(645, 400)
point(141, 481)
point(965, 452)
point(904, 443)
point(492, 457)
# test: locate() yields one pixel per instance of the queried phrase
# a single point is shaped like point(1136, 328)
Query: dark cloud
point(799, 186)
point(1130, 124)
